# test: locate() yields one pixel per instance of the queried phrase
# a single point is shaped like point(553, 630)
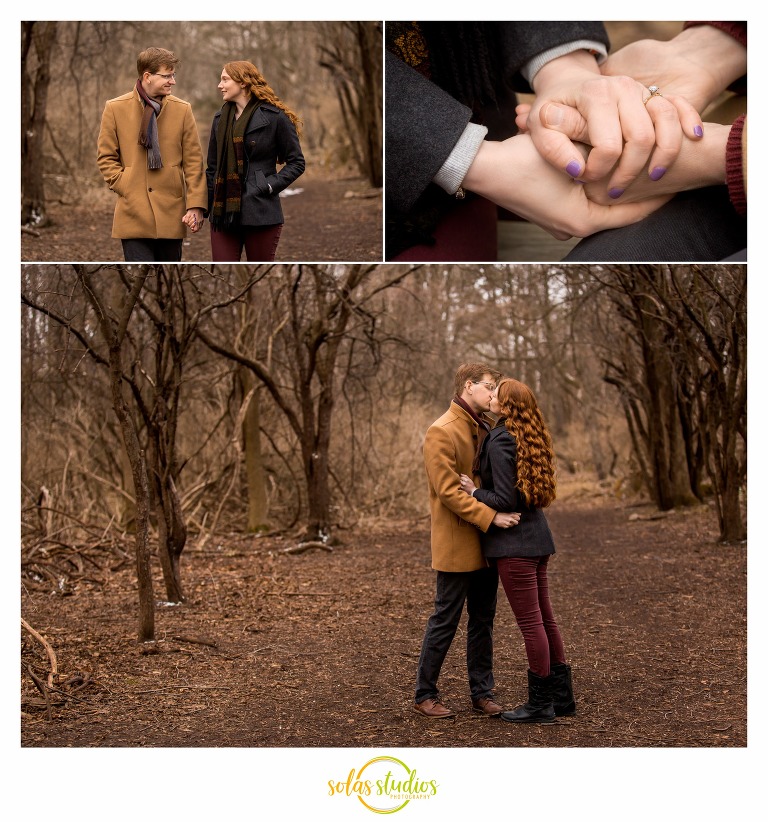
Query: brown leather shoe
point(434, 708)
point(487, 706)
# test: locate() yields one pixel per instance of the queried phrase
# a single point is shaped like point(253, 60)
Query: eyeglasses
point(491, 386)
point(164, 76)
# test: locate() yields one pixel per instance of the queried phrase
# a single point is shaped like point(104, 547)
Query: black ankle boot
point(539, 707)
point(562, 690)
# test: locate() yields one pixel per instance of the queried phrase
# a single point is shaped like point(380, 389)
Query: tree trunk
point(171, 528)
point(254, 461)
point(34, 100)
point(139, 471)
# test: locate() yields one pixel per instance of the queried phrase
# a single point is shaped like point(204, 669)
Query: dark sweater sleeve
point(734, 165)
point(502, 460)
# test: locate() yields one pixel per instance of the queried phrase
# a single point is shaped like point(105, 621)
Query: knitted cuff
point(734, 166)
point(455, 168)
point(533, 66)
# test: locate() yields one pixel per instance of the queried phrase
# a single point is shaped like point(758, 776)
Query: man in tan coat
point(149, 154)
point(463, 575)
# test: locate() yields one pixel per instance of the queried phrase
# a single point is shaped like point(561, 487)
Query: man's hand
point(513, 174)
point(194, 219)
point(626, 126)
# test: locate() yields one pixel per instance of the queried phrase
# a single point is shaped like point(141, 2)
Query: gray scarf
point(148, 131)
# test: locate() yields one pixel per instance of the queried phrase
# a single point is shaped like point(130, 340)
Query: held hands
point(194, 219)
point(700, 162)
point(500, 520)
point(513, 174)
point(627, 127)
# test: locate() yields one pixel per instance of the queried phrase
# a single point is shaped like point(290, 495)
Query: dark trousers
point(525, 584)
point(152, 251)
point(259, 242)
point(478, 590)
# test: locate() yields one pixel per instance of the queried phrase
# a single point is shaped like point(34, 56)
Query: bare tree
point(318, 312)
point(38, 40)
point(352, 56)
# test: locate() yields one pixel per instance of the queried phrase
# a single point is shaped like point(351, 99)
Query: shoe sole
point(433, 716)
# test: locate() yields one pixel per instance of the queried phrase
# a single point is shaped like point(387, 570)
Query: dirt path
point(319, 649)
point(326, 220)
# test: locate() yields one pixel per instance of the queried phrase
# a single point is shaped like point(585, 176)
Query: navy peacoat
point(531, 537)
point(270, 139)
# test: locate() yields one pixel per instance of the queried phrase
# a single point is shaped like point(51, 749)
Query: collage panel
point(521, 141)
point(247, 472)
point(253, 141)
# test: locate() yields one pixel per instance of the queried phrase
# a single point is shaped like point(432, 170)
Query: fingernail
point(698, 131)
point(573, 168)
point(552, 115)
point(615, 193)
point(658, 173)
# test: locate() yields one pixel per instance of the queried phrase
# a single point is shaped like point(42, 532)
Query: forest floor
point(326, 220)
point(319, 649)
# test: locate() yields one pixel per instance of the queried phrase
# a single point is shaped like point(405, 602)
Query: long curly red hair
point(535, 457)
point(243, 71)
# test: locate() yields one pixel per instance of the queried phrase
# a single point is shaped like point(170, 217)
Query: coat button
point(150, 189)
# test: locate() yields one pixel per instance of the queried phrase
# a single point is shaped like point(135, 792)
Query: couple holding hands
point(149, 154)
point(609, 140)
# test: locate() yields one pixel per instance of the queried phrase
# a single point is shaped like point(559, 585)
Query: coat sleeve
point(288, 152)
point(192, 163)
point(108, 150)
point(443, 475)
point(502, 459)
point(423, 124)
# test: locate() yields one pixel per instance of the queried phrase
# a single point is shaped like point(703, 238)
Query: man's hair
point(153, 59)
point(474, 371)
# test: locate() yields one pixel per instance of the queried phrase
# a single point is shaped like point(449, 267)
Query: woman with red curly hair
point(517, 473)
point(251, 135)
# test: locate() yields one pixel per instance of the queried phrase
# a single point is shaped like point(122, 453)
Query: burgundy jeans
point(525, 583)
point(260, 243)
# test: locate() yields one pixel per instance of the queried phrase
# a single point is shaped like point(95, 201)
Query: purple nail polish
point(573, 168)
point(615, 193)
point(658, 173)
point(698, 131)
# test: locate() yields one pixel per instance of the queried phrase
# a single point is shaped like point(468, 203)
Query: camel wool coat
point(457, 518)
point(151, 203)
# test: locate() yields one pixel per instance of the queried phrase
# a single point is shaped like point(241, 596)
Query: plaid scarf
point(230, 164)
point(148, 130)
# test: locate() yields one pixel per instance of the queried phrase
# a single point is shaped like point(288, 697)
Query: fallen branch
point(306, 546)
point(51, 655)
point(209, 642)
point(40, 685)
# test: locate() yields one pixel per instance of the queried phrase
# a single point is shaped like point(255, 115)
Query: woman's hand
point(700, 162)
point(466, 484)
point(697, 64)
point(513, 174)
point(505, 520)
point(626, 126)
point(194, 219)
